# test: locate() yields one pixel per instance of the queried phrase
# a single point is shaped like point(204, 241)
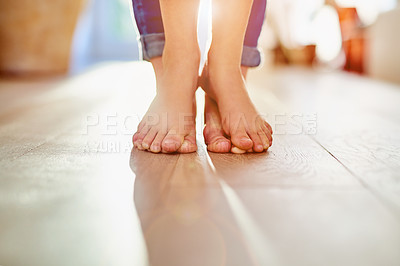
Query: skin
point(169, 124)
point(226, 85)
point(214, 135)
point(232, 122)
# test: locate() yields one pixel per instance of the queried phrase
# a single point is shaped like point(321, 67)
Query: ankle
point(157, 64)
point(226, 81)
point(179, 76)
point(223, 59)
point(219, 71)
point(181, 57)
point(217, 66)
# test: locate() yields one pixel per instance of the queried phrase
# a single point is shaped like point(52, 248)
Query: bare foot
point(169, 124)
point(240, 120)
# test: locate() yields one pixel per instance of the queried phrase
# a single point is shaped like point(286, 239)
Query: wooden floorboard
point(318, 227)
point(358, 123)
point(74, 193)
point(292, 161)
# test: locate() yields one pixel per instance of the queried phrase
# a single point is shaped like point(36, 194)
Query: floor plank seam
point(57, 134)
point(41, 144)
point(389, 205)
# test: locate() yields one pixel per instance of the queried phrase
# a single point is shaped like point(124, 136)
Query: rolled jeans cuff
point(153, 46)
point(251, 56)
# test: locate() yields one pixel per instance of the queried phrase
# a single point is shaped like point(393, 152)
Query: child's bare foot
point(214, 135)
point(169, 124)
point(240, 119)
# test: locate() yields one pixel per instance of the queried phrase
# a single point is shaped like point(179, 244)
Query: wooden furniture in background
point(383, 61)
point(353, 39)
point(36, 35)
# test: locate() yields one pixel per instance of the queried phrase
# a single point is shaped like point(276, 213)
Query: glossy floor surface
point(72, 192)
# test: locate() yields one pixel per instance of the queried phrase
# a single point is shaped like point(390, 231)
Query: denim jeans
point(149, 22)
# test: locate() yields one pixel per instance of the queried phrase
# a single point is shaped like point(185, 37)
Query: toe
point(189, 143)
point(236, 150)
point(155, 146)
point(148, 139)
point(216, 141)
point(257, 143)
point(187, 147)
point(172, 142)
point(220, 145)
point(268, 134)
point(223, 146)
point(241, 140)
point(140, 136)
point(264, 140)
point(268, 126)
point(134, 138)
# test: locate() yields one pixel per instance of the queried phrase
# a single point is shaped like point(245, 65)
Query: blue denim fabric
point(149, 22)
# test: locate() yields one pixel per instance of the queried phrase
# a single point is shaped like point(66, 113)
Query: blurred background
point(46, 37)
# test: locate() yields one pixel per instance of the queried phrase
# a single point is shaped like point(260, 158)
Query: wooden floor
point(73, 193)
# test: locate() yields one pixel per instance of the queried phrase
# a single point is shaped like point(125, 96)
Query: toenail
point(223, 144)
point(145, 146)
point(171, 143)
point(260, 147)
point(237, 150)
point(155, 148)
point(185, 145)
point(246, 140)
point(168, 141)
